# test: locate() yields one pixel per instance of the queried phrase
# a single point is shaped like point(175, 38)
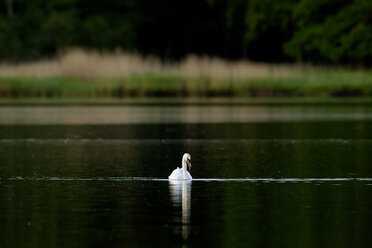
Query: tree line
point(315, 31)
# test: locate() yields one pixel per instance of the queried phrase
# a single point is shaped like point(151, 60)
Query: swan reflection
point(180, 193)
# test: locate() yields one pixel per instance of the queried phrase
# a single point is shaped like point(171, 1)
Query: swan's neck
point(184, 168)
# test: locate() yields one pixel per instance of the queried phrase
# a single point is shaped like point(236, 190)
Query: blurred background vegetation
point(325, 33)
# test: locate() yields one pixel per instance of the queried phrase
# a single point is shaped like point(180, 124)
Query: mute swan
point(179, 174)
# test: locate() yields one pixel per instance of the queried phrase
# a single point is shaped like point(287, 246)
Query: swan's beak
point(189, 164)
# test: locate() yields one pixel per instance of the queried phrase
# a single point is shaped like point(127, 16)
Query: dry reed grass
point(79, 63)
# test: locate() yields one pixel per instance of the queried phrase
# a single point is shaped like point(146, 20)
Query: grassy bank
point(95, 75)
point(311, 84)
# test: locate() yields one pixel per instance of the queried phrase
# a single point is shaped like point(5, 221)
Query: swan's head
point(187, 158)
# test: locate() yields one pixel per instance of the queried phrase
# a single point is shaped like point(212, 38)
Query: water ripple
point(253, 180)
point(176, 141)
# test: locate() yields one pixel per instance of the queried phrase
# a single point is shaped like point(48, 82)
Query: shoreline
point(89, 74)
point(170, 86)
point(182, 101)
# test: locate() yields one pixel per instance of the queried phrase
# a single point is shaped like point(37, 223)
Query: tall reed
point(79, 63)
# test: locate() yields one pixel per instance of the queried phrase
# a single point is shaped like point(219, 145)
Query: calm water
point(265, 176)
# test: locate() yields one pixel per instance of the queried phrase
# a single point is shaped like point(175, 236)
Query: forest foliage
point(311, 31)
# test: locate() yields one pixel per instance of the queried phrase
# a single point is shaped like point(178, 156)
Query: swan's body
point(182, 173)
point(177, 174)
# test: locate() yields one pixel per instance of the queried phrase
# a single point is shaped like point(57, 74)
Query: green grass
point(305, 83)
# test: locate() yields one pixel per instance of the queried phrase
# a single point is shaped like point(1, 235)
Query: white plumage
point(177, 174)
point(182, 173)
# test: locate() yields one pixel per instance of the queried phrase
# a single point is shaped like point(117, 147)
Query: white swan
point(182, 174)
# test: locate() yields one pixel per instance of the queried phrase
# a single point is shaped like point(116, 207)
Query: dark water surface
point(75, 176)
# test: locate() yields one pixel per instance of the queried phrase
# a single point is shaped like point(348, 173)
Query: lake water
point(264, 175)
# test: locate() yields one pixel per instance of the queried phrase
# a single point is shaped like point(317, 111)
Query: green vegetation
point(315, 31)
point(187, 48)
point(307, 82)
